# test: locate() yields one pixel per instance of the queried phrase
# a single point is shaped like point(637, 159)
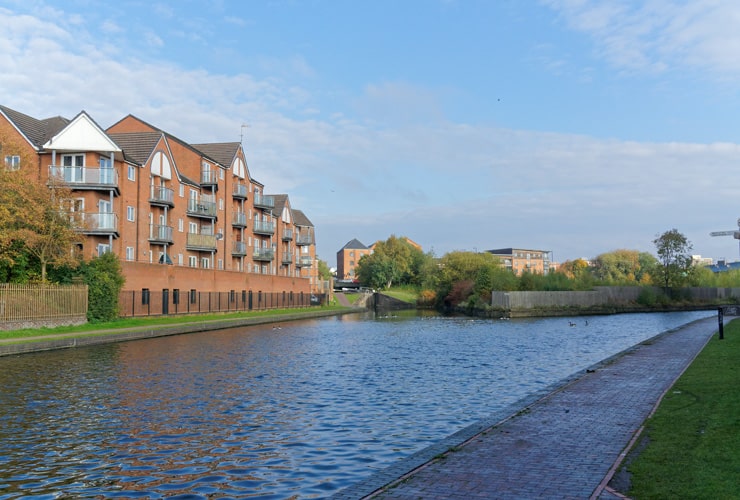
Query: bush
point(104, 279)
point(647, 297)
point(427, 298)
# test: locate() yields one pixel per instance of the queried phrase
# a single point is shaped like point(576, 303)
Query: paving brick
point(566, 442)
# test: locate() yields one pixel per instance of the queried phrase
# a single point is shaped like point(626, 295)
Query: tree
point(324, 271)
point(392, 260)
point(32, 217)
point(673, 250)
point(618, 267)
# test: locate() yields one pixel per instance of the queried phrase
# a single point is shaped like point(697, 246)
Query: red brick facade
point(178, 215)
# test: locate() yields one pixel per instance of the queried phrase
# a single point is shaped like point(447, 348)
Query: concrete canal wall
point(599, 297)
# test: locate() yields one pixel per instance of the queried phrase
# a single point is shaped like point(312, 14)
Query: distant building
point(698, 260)
point(348, 257)
point(520, 260)
point(723, 266)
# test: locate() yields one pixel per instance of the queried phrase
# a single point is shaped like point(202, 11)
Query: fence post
point(720, 314)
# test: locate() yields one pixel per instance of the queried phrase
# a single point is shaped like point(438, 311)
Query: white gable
point(82, 134)
point(161, 165)
point(286, 214)
point(239, 169)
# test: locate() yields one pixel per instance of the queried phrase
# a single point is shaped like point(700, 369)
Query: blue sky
point(576, 126)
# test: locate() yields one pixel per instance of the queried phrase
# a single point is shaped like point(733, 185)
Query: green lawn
point(693, 440)
point(405, 294)
point(156, 322)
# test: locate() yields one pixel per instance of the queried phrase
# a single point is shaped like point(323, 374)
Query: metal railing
point(162, 302)
point(27, 304)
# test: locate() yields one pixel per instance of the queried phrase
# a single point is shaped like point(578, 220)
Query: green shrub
point(104, 279)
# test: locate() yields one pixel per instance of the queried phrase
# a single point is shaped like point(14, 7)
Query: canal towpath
point(565, 442)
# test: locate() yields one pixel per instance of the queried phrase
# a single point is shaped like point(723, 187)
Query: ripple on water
point(301, 414)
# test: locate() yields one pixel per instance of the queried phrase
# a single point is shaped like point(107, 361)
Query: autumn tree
point(459, 273)
point(618, 266)
point(33, 220)
point(673, 249)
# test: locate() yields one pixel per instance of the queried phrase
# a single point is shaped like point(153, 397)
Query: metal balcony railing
point(160, 195)
point(263, 227)
point(264, 201)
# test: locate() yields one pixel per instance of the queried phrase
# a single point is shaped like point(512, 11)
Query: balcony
point(160, 234)
point(262, 227)
point(263, 201)
point(304, 239)
point(240, 219)
point(265, 254)
point(209, 178)
point(287, 234)
point(239, 249)
point(304, 261)
point(201, 242)
point(287, 258)
point(204, 209)
point(161, 196)
point(96, 223)
point(240, 191)
point(81, 178)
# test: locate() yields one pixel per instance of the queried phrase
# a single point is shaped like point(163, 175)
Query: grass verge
point(691, 446)
point(403, 293)
point(158, 321)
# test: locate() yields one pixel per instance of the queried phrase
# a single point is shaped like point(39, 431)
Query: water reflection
point(298, 411)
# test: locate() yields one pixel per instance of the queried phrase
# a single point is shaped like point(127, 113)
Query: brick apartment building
point(178, 215)
point(347, 258)
point(520, 260)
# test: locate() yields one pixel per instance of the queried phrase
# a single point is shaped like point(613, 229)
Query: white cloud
point(660, 35)
point(446, 185)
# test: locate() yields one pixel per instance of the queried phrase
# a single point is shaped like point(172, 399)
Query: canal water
point(298, 410)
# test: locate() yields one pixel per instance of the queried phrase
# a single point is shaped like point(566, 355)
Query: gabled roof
point(172, 138)
point(37, 132)
point(354, 244)
point(222, 152)
point(300, 219)
point(82, 133)
point(280, 201)
point(137, 146)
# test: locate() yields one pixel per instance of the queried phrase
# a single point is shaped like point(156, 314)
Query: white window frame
point(12, 162)
point(180, 225)
point(131, 173)
point(192, 261)
point(130, 253)
point(130, 213)
point(205, 262)
point(182, 191)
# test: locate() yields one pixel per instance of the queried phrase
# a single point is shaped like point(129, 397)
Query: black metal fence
point(163, 302)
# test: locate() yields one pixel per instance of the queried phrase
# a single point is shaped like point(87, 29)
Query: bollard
point(720, 313)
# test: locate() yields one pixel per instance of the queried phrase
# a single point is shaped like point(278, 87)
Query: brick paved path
point(564, 445)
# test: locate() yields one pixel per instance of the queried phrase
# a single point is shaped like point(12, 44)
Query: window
point(182, 191)
point(179, 259)
point(192, 261)
point(129, 253)
point(193, 228)
point(130, 211)
point(221, 204)
point(103, 249)
point(205, 263)
point(180, 225)
point(221, 173)
point(256, 268)
point(131, 173)
point(12, 162)
point(264, 269)
point(105, 162)
point(221, 264)
point(193, 296)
